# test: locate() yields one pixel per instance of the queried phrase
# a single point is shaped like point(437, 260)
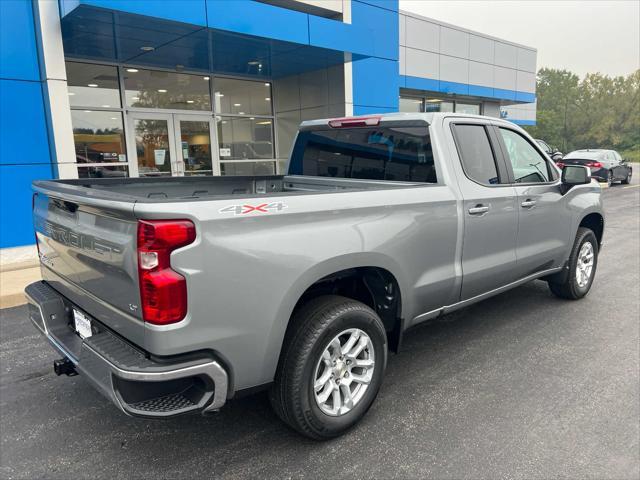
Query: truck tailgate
point(87, 251)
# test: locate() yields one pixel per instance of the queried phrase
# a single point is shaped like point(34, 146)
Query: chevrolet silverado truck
point(175, 295)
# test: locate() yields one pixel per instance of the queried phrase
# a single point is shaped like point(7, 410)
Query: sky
point(583, 36)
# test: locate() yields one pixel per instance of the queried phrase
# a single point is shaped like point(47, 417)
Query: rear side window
point(478, 160)
point(381, 153)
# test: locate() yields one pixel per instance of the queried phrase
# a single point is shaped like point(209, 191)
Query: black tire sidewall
point(327, 425)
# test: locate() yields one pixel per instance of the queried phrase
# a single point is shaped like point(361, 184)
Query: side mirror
point(575, 175)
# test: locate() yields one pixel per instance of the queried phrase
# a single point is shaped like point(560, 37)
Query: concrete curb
point(13, 283)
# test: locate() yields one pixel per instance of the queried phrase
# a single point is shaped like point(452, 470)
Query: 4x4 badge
point(261, 208)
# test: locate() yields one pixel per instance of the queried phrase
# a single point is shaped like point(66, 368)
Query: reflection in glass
point(157, 89)
point(247, 168)
point(245, 138)
point(195, 145)
point(98, 136)
point(103, 171)
point(468, 108)
point(152, 147)
point(92, 85)
point(408, 104)
point(242, 96)
point(437, 105)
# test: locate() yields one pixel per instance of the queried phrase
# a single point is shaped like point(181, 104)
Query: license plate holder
point(82, 324)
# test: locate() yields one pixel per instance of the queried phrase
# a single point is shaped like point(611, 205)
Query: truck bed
point(195, 188)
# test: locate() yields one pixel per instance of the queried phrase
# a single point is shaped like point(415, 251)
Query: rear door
point(489, 209)
point(543, 219)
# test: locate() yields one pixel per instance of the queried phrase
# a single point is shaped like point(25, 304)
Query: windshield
point(376, 153)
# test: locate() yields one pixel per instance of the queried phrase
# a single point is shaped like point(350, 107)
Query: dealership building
point(113, 88)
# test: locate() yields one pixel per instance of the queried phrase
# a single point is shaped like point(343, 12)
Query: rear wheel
point(627, 179)
point(332, 367)
point(582, 267)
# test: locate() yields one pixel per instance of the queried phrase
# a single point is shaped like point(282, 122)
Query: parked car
point(174, 295)
point(606, 165)
point(553, 153)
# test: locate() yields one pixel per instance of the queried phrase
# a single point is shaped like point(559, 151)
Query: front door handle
point(528, 204)
point(478, 210)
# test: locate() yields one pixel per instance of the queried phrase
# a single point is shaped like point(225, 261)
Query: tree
point(596, 112)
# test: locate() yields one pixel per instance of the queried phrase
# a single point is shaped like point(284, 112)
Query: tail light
point(594, 164)
point(163, 291)
point(355, 122)
point(560, 164)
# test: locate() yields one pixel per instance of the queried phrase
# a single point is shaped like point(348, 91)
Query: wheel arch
point(372, 271)
point(594, 221)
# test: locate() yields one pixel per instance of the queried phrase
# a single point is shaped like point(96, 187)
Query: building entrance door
point(167, 144)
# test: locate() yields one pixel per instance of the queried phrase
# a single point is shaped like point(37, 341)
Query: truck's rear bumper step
point(138, 385)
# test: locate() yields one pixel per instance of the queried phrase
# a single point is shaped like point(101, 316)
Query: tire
point(609, 178)
point(627, 179)
point(574, 287)
point(315, 327)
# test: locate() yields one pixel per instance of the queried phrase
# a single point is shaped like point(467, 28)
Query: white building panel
point(506, 55)
point(423, 35)
point(525, 81)
point(422, 64)
point(402, 19)
point(481, 74)
point(526, 59)
point(481, 49)
point(402, 60)
point(454, 42)
point(454, 69)
point(504, 78)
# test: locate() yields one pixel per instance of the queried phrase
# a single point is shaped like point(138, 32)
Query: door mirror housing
point(575, 175)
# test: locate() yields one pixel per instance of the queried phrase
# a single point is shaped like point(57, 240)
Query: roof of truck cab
point(406, 116)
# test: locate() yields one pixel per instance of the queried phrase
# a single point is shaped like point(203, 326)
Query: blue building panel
point(376, 83)
point(18, 51)
point(15, 198)
point(480, 91)
point(23, 123)
point(453, 88)
point(525, 97)
point(377, 27)
point(259, 19)
point(186, 11)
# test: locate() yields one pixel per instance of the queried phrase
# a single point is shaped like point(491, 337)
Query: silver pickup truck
point(174, 295)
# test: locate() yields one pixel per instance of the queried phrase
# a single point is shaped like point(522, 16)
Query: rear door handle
point(478, 210)
point(528, 204)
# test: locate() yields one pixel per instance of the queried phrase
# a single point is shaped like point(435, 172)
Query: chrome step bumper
point(137, 384)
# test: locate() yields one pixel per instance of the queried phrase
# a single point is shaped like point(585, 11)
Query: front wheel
point(331, 368)
point(582, 267)
point(627, 179)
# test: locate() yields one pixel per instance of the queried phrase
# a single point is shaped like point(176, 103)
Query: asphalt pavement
point(522, 385)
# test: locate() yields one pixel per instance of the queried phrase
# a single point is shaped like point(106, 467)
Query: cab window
point(476, 154)
point(528, 165)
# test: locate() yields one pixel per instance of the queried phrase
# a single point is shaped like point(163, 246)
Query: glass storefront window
point(242, 138)
point(468, 108)
point(247, 168)
point(242, 97)
point(409, 104)
point(438, 105)
point(153, 148)
point(98, 136)
point(103, 171)
point(92, 85)
point(158, 89)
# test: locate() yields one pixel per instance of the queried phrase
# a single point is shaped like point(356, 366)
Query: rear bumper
point(138, 384)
